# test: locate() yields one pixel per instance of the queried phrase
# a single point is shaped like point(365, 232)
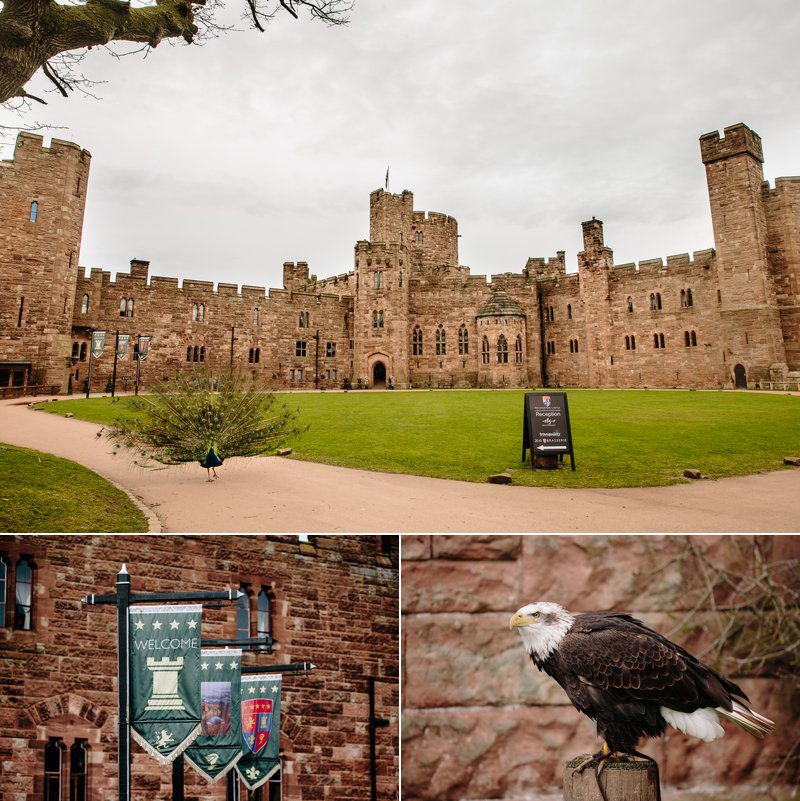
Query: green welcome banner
point(165, 678)
point(261, 728)
point(219, 745)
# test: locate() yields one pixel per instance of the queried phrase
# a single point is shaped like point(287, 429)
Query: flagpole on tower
point(387, 177)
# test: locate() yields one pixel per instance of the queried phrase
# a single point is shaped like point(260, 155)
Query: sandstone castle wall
point(410, 315)
point(333, 603)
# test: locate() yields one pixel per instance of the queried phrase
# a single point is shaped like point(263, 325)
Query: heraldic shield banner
point(219, 745)
point(261, 707)
point(165, 678)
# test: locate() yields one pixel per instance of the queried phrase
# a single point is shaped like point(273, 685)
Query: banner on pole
point(165, 678)
point(261, 707)
point(122, 345)
point(98, 343)
point(144, 348)
point(219, 745)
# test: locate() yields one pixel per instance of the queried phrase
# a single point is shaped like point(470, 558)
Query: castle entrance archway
point(379, 375)
point(740, 376)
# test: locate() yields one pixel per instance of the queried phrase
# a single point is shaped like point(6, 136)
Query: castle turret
point(41, 218)
point(594, 264)
point(747, 300)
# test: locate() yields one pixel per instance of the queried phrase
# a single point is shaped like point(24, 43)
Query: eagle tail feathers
point(702, 723)
point(747, 719)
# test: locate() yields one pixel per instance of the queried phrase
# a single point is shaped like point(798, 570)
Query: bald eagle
point(628, 678)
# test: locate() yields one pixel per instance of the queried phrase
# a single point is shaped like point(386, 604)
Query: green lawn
point(621, 438)
point(42, 493)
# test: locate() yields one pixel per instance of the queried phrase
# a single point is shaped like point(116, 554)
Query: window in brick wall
point(502, 350)
point(53, 755)
point(330, 349)
point(300, 348)
point(463, 341)
point(658, 341)
point(264, 612)
point(202, 353)
point(23, 595)
point(441, 341)
point(78, 773)
point(569, 311)
point(85, 304)
point(630, 304)
point(630, 342)
point(418, 237)
point(686, 298)
point(83, 352)
point(378, 279)
point(518, 350)
point(655, 301)
point(34, 211)
point(255, 316)
point(485, 350)
point(416, 341)
point(690, 339)
point(400, 279)
point(243, 612)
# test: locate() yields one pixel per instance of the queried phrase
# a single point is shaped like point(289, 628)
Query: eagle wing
point(613, 657)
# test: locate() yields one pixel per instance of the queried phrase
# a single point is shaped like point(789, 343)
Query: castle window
point(258, 355)
point(378, 279)
point(441, 344)
point(569, 311)
point(85, 304)
point(77, 771)
point(418, 237)
point(21, 310)
point(502, 350)
point(300, 374)
point(201, 313)
point(301, 322)
point(374, 318)
point(195, 353)
point(380, 318)
point(400, 279)
point(202, 353)
point(129, 312)
point(255, 316)
point(655, 301)
point(75, 351)
point(263, 627)
point(3, 589)
point(686, 298)
point(291, 375)
point(485, 350)
point(300, 348)
point(34, 211)
point(463, 340)
point(123, 307)
point(658, 341)
point(630, 342)
point(690, 339)
point(689, 301)
point(251, 355)
point(194, 312)
point(346, 324)
point(571, 346)
point(23, 599)
point(52, 769)
point(243, 613)
point(518, 350)
point(416, 341)
point(719, 296)
point(630, 304)
point(330, 349)
point(552, 314)
point(83, 352)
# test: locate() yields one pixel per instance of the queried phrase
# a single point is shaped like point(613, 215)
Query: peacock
point(206, 420)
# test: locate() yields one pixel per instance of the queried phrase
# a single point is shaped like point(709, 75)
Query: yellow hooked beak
point(520, 619)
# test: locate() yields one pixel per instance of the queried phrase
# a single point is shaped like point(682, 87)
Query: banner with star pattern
point(219, 745)
point(165, 678)
point(261, 728)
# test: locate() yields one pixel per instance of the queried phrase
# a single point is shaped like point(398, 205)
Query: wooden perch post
point(621, 781)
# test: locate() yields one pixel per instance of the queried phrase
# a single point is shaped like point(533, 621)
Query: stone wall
point(480, 722)
point(335, 604)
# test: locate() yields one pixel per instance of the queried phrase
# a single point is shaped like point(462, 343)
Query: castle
point(408, 315)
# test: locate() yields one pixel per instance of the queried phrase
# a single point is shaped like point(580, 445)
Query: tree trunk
point(621, 781)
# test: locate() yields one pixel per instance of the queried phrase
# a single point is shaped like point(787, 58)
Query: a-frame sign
point(545, 428)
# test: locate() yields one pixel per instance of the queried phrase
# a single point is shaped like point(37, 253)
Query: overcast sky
point(520, 118)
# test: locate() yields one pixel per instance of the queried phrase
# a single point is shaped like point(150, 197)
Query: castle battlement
point(738, 140)
point(675, 263)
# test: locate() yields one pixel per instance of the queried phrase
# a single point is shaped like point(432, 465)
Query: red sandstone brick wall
point(480, 722)
point(336, 608)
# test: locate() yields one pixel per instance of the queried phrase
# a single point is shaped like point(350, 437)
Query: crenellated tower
point(41, 219)
point(751, 327)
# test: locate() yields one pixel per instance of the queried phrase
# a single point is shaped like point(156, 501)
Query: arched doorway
point(379, 375)
point(740, 376)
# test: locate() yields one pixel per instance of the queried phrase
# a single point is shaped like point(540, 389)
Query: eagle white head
point(542, 626)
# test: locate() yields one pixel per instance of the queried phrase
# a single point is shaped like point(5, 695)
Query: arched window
point(485, 350)
point(683, 298)
point(258, 355)
point(189, 353)
point(441, 345)
point(633, 341)
point(658, 340)
point(75, 350)
point(202, 353)
point(195, 354)
point(576, 346)
point(502, 350)
point(123, 307)
point(201, 312)
point(380, 318)
point(346, 324)
point(85, 304)
point(83, 352)
point(686, 340)
point(52, 769)
point(658, 300)
point(194, 312)
point(416, 341)
point(518, 350)
point(23, 600)
point(129, 312)
point(418, 237)
point(463, 341)
point(400, 279)
point(630, 304)
point(34, 211)
point(569, 311)
point(250, 356)
point(374, 318)
point(77, 771)
point(378, 279)
point(263, 622)
point(694, 339)
point(255, 316)
point(689, 301)
point(243, 613)
point(627, 342)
